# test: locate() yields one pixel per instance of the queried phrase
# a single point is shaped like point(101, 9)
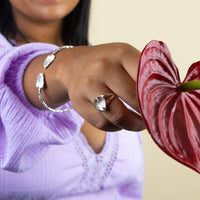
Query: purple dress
point(43, 155)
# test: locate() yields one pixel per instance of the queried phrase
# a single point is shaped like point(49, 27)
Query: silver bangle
point(40, 79)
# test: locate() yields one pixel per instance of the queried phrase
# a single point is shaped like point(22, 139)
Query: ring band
point(101, 102)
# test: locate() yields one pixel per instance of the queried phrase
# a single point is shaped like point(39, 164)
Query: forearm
point(26, 132)
point(54, 92)
point(81, 74)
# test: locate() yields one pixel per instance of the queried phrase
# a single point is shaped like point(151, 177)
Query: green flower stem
point(190, 85)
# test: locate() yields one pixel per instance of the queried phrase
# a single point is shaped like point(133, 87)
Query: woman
point(46, 153)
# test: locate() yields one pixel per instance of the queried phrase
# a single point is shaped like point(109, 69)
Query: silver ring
point(102, 101)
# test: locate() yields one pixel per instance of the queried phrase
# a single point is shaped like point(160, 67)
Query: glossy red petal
point(179, 131)
point(158, 52)
point(172, 117)
point(193, 105)
point(193, 127)
point(158, 95)
point(153, 81)
point(193, 72)
point(165, 112)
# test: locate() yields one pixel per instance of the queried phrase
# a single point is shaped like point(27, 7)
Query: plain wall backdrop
point(177, 23)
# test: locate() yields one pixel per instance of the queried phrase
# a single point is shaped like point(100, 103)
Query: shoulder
point(4, 42)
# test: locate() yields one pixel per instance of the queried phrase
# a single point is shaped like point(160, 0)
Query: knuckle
point(102, 124)
point(86, 82)
point(118, 117)
point(123, 49)
point(100, 66)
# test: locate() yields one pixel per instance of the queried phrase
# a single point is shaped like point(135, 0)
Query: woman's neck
point(48, 32)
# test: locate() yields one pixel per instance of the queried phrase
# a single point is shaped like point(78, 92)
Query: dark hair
point(75, 25)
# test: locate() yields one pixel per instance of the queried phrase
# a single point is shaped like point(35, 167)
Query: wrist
point(52, 87)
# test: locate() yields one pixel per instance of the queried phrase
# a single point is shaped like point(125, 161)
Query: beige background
point(177, 23)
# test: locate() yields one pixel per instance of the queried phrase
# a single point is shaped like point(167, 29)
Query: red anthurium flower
point(170, 108)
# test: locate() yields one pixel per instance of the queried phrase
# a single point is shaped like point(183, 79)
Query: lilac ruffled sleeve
point(25, 131)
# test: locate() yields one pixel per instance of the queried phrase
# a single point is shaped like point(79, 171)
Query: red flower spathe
point(171, 116)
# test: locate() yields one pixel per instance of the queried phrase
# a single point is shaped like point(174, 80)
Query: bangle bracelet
point(40, 82)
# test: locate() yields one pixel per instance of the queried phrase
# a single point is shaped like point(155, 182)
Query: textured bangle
point(40, 79)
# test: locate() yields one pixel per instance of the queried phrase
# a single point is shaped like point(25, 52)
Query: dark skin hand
point(81, 74)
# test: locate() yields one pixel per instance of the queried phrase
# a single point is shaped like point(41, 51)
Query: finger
point(130, 60)
point(95, 118)
point(89, 112)
point(122, 117)
point(116, 112)
point(122, 84)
